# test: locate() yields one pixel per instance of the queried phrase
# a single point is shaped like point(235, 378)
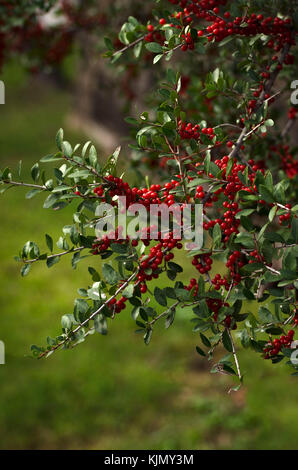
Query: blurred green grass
point(111, 392)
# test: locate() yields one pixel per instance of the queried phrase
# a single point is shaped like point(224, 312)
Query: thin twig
point(163, 314)
point(30, 261)
point(129, 46)
point(234, 354)
point(27, 185)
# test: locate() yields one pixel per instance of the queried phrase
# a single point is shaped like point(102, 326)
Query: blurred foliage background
point(112, 392)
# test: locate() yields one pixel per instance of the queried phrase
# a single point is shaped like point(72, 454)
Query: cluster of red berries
point(190, 131)
point(255, 257)
point(154, 35)
point(117, 305)
point(234, 185)
point(218, 282)
point(292, 113)
point(189, 42)
point(214, 305)
point(234, 263)
point(228, 224)
point(150, 266)
point(202, 263)
point(192, 285)
point(118, 187)
point(286, 217)
point(273, 348)
point(277, 29)
point(200, 194)
point(102, 245)
point(270, 100)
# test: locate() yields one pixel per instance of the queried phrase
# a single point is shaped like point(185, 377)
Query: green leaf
point(216, 235)
point(148, 336)
point(170, 318)
point(100, 324)
point(245, 212)
point(110, 166)
point(50, 158)
point(226, 341)
point(52, 260)
point(94, 291)
point(128, 291)
point(59, 139)
point(67, 321)
point(157, 58)
point(19, 170)
point(160, 296)
point(35, 172)
point(93, 156)
point(272, 213)
point(25, 269)
point(265, 315)
point(49, 242)
point(205, 340)
point(81, 305)
point(117, 248)
point(32, 193)
point(200, 351)
point(110, 275)
point(154, 47)
point(201, 310)
point(175, 267)
point(266, 194)
point(274, 237)
point(50, 201)
point(67, 149)
point(250, 268)
point(170, 292)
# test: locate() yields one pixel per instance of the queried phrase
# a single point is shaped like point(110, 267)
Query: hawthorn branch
point(87, 167)
point(82, 165)
point(163, 314)
point(129, 46)
point(30, 261)
point(26, 185)
point(91, 317)
point(272, 269)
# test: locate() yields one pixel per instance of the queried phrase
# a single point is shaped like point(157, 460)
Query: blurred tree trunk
point(99, 106)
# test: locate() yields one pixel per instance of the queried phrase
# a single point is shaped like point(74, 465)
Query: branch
point(129, 46)
point(163, 314)
point(81, 325)
point(57, 255)
point(235, 355)
point(27, 185)
point(261, 100)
